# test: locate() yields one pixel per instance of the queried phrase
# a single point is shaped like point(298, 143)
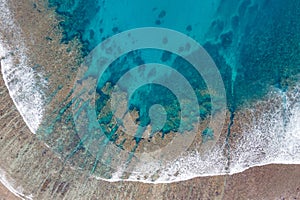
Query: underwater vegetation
point(254, 44)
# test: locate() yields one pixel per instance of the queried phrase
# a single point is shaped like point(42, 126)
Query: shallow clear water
point(255, 46)
point(250, 41)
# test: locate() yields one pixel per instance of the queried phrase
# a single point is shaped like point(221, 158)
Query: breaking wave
point(271, 136)
point(24, 84)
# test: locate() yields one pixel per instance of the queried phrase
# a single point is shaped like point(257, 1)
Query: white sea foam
point(24, 85)
point(11, 186)
point(20, 80)
point(273, 138)
point(270, 138)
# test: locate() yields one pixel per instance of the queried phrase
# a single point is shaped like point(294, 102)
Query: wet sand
point(29, 160)
point(5, 194)
point(39, 172)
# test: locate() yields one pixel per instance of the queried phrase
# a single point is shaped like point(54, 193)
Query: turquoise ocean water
point(255, 45)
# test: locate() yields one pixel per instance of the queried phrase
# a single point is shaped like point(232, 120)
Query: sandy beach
point(37, 172)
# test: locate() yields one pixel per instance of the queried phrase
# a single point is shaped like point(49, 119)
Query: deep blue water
point(254, 43)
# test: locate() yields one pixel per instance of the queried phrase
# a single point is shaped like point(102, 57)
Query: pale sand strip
point(45, 176)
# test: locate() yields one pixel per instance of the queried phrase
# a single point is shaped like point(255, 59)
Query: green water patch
point(148, 95)
point(254, 43)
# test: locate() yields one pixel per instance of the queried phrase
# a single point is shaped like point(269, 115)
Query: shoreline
point(191, 159)
point(183, 182)
point(17, 73)
point(10, 187)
